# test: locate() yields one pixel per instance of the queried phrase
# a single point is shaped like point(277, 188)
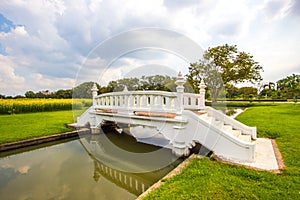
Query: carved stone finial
point(180, 80)
point(125, 89)
point(179, 74)
point(94, 88)
point(202, 84)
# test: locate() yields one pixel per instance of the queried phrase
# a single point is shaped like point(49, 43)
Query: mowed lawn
point(207, 179)
point(23, 126)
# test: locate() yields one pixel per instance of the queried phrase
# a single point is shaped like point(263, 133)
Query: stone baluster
point(138, 100)
point(111, 101)
point(185, 101)
point(158, 101)
point(125, 98)
point(144, 101)
point(193, 101)
point(116, 101)
point(106, 101)
point(126, 101)
point(201, 102)
point(131, 101)
point(151, 103)
point(180, 89)
point(168, 102)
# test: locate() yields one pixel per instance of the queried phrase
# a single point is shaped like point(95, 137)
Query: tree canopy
point(223, 65)
point(157, 82)
point(289, 87)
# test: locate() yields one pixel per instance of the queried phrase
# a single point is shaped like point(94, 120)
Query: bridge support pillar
point(95, 130)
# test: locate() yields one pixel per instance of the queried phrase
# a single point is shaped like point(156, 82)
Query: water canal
point(67, 170)
point(89, 167)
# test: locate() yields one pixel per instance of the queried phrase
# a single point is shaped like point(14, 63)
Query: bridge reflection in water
point(129, 164)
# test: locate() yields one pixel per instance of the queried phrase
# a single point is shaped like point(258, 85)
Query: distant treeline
point(157, 82)
point(286, 88)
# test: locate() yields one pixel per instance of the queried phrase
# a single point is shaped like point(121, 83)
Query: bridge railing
point(154, 101)
point(137, 100)
point(191, 101)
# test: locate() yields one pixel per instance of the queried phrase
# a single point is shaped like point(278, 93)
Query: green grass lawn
point(23, 126)
point(207, 179)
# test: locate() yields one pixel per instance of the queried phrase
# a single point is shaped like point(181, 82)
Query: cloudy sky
point(53, 44)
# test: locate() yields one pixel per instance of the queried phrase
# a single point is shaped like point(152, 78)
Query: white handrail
point(137, 100)
point(216, 114)
point(191, 101)
point(142, 92)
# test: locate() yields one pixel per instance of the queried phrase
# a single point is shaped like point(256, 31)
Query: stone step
point(236, 133)
point(200, 112)
point(246, 138)
point(210, 119)
point(204, 115)
point(227, 128)
point(218, 123)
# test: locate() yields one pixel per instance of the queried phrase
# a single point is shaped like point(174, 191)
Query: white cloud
point(10, 82)
point(51, 83)
point(277, 9)
point(13, 83)
point(20, 30)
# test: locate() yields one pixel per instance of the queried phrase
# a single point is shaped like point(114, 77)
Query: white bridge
point(175, 120)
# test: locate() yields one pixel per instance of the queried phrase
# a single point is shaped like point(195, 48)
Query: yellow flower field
point(14, 106)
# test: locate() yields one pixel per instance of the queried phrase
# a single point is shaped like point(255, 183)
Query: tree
point(157, 82)
point(29, 94)
point(268, 89)
point(63, 94)
point(84, 90)
point(222, 65)
point(231, 90)
point(247, 92)
point(289, 86)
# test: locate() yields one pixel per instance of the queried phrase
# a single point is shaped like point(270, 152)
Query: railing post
point(94, 94)
point(201, 103)
point(125, 97)
point(111, 101)
point(144, 101)
point(180, 89)
point(116, 101)
point(138, 101)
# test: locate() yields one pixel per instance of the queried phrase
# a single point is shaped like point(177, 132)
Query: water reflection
point(67, 171)
point(231, 111)
point(123, 153)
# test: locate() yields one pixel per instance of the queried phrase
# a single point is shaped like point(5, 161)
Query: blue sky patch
point(2, 50)
point(5, 24)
